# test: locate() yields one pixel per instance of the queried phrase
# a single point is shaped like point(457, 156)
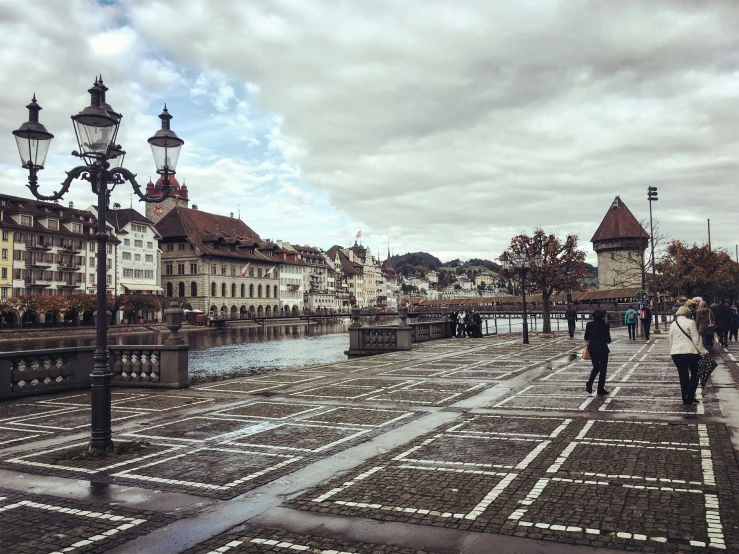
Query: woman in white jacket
point(686, 349)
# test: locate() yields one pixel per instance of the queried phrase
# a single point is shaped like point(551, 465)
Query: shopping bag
point(586, 353)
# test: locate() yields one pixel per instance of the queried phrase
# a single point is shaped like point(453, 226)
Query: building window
point(107, 263)
point(233, 290)
point(109, 248)
point(54, 224)
point(138, 243)
point(138, 273)
point(5, 273)
point(212, 289)
point(138, 228)
point(27, 220)
point(181, 246)
point(150, 245)
point(168, 269)
point(92, 261)
point(213, 269)
point(193, 269)
point(92, 278)
point(251, 291)
point(259, 274)
point(266, 290)
point(77, 227)
point(193, 289)
point(259, 291)
point(181, 271)
point(4, 293)
point(243, 290)
point(251, 272)
point(126, 242)
point(137, 257)
point(223, 290)
point(169, 290)
point(275, 291)
point(181, 289)
point(108, 279)
point(127, 272)
point(148, 273)
point(223, 270)
point(92, 247)
point(170, 247)
point(126, 255)
point(5, 238)
point(5, 253)
point(150, 257)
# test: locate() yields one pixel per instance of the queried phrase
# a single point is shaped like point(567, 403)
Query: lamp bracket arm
point(79, 172)
point(120, 174)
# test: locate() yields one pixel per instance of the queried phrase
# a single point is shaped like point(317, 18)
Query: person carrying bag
point(688, 353)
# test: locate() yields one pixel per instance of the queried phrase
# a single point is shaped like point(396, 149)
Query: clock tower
point(177, 197)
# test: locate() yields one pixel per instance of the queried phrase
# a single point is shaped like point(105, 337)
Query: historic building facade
point(620, 242)
point(219, 264)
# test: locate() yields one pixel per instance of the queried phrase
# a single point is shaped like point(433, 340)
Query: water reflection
point(235, 350)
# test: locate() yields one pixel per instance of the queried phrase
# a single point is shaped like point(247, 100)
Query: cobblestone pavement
point(479, 441)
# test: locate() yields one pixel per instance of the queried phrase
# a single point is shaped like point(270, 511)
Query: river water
point(235, 350)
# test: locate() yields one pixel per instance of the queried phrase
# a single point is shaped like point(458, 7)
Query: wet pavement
point(462, 445)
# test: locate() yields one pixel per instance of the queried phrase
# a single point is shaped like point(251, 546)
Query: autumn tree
point(562, 267)
point(698, 270)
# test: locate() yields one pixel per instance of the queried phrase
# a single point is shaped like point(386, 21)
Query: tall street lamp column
point(96, 130)
point(652, 197)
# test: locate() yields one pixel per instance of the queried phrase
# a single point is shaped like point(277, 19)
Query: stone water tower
point(620, 242)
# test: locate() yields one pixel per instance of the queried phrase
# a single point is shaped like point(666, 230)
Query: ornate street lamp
point(96, 128)
point(520, 261)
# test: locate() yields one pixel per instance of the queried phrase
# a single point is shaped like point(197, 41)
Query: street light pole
point(96, 130)
point(525, 315)
point(652, 197)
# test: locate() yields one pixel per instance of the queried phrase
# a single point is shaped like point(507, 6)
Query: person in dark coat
point(453, 320)
point(734, 330)
point(598, 337)
point(645, 316)
point(723, 322)
point(477, 320)
point(571, 316)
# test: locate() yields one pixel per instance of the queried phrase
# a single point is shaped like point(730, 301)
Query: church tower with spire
point(620, 242)
point(178, 197)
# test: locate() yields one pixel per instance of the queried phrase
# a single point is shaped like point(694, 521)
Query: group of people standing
point(718, 319)
point(468, 324)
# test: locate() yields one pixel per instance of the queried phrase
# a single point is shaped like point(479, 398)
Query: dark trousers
point(646, 325)
point(632, 330)
point(600, 367)
point(687, 369)
point(723, 336)
point(733, 333)
point(571, 326)
point(707, 339)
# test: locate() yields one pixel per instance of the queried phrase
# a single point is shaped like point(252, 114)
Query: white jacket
point(679, 343)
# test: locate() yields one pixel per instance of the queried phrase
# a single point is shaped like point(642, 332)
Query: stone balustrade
point(31, 372)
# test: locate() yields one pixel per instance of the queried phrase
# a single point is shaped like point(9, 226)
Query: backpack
point(631, 316)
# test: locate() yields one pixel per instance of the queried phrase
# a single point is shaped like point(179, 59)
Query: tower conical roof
point(619, 223)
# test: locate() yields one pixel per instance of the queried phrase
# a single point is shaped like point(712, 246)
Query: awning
point(142, 287)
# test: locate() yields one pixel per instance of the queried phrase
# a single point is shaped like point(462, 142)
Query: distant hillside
point(411, 263)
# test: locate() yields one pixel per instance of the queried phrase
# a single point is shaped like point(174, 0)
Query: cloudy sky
point(440, 126)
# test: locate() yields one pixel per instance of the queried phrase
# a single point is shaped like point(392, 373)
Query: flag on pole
point(244, 270)
point(359, 234)
point(270, 270)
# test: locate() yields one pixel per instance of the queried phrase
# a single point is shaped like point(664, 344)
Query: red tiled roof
point(619, 223)
point(206, 230)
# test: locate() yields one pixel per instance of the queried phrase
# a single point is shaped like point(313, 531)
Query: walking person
point(477, 322)
point(646, 320)
point(734, 330)
point(723, 322)
point(460, 324)
point(598, 337)
point(571, 316)
point(631, 318)
point(453, 321)
point(686, 350)
point(705, 321)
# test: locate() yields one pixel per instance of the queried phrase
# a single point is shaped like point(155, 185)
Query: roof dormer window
point(53, 224)
point(27, 220)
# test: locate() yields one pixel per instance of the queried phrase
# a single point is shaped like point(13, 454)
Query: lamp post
point(652, 197)
point(520, 261)
point(96, 129)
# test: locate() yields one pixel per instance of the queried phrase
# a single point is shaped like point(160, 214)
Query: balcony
point(66, 285)
point(37, 264)
point(38, 283)
point(68, 249)
point(68, 267)
point(39, 247)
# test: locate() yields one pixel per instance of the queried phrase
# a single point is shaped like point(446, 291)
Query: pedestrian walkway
point(462, 445)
